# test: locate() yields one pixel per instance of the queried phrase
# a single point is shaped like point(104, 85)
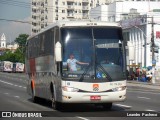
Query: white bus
point(6, 66)
point(18, 67)
point(99, 54)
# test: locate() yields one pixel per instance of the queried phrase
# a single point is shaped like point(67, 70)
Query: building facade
point(45, 12)
point(136, 19)
point(140, 32)
point(121, 10)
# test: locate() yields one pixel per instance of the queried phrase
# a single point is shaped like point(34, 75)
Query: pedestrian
point(127, 74)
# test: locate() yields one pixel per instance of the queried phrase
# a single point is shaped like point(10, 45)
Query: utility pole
point(153, 56)
point(152, 39)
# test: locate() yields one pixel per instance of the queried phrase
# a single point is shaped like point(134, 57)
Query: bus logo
point(95, 87)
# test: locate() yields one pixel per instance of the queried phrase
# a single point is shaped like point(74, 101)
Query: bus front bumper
point(104, 97)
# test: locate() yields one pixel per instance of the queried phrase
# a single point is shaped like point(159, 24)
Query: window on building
point(63, 3)
point(46, 10)
point(63, 11)
point(42, 26)
point(46, 2)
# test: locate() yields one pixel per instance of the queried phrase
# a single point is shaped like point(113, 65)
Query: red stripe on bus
point(32, 65)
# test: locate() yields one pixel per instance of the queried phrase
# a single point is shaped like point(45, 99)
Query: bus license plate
point(95, 97)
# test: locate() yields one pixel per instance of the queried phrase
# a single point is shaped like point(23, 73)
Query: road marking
point(17, 96)
point(82, 118)
point(150, 110)
point(6, 82)
point(12, 84)
point(6, 93)
point(144, 98)
point(126, 106)
point(144, 92)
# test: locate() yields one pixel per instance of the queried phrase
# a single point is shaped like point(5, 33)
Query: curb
point(144, 85)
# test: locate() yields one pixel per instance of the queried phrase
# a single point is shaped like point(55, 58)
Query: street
point(13, 97)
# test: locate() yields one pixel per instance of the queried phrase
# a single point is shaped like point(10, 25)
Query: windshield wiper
point(84, 73)
point(103, 70)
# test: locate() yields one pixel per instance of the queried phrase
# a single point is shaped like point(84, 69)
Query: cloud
point(13, 29)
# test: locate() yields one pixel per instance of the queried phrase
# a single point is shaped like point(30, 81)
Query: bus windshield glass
point(92, 54)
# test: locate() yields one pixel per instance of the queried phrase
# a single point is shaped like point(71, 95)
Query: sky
point(19, 10)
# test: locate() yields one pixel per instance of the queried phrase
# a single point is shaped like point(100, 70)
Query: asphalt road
point(14, 98)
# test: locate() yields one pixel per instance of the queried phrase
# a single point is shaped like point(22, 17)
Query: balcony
point(35, 14)
point(37, 27)
point(70, 0)
point(85, 8)
point(70, 15)
point(85, 16)
point(42, 18)
point(71, 7)
point(85, 1)
point(34, 7)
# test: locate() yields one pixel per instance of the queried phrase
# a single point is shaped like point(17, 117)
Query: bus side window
point(57, 38)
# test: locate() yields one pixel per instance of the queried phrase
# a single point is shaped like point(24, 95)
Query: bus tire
point(107, 106)
point(55, 105)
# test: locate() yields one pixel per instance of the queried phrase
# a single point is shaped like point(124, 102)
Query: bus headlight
point(119, 88)
point(70, 89)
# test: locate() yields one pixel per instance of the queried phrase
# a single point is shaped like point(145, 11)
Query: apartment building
point(45, 12)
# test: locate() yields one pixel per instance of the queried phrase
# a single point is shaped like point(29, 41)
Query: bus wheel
point(55, 104)
point(107, 106)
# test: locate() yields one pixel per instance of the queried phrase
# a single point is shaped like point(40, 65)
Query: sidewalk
point(143, 84)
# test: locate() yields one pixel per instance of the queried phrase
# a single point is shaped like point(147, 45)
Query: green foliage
point(19, 54)
point(21, 39)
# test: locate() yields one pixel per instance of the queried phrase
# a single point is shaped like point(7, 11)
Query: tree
point(21, 41)
point(20, 52)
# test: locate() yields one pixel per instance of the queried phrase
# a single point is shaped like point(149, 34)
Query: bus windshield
point(92, 54)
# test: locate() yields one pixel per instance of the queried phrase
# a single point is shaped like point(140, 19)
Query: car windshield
point(92, 54)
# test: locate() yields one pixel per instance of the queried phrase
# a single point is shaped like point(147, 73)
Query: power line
point(14, 1)
point(15, 4)
point(16, 21)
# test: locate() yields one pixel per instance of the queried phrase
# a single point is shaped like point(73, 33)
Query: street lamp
point(141, 31)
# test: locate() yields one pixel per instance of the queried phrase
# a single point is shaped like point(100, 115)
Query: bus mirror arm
point(58, 52)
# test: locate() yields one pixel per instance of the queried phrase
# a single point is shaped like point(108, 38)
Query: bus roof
point(78, 23)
